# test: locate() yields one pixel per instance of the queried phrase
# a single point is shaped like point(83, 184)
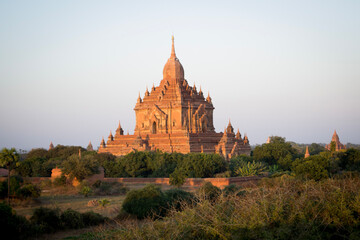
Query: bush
point(233, 189)
point(59, 181)
point(314, 167)
point(13, 225)
point(91, 218)
point(177, 198)
point(108, 189)
point(48, 220)
point(86, 191)
point(209, 192)
point(72, 219)
point(250, 169)
point(225, 174)
point(149, 201)
point(15, 184)
point(28, 191)
point(177, 178)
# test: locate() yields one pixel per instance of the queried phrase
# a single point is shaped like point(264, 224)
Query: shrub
point(59, 181)
point(97, 183)
point(250, 169)
point(209, 192)
point(28, 191)
point(15, 184)
point(48, 220)
point(72, 219)
point(177, 178)
point(149, 201)
point(225, 174)
point(233, 189)
point(91, 218)
point(13, 225)
point(106, 189)
point(177, 198)
point(104, 202)
point(313, 167)
point(85, 190)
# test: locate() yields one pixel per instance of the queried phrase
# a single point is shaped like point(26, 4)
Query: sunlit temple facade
point(175, 117)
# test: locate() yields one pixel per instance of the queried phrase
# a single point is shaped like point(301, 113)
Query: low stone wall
point(193, 182)
point(190, 182)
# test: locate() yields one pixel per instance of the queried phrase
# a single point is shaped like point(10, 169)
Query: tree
point(80, 168)
point(276, 152)
point(314, 167)
point(177, 178)
point(315, 148)
point(9, 159)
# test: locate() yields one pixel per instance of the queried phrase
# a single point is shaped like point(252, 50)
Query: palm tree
point(9, 159)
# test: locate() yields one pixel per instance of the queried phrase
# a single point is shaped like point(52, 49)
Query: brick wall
point(190, 182)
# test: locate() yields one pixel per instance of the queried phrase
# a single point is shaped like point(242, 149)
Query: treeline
point(275, 158)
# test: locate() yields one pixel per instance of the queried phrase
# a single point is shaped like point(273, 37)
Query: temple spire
point(208, 99)
point(307, 154)
point(172, 48)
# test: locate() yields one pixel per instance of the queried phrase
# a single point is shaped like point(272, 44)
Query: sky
point(70, 70)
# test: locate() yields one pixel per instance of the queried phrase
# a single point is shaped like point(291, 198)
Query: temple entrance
point(154, 128)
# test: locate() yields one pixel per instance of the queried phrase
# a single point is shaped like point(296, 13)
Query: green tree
point(80, 168)
point(278, 151)
point(177, 178)
point(314, 167)
point(315, 148)
point(9, 159)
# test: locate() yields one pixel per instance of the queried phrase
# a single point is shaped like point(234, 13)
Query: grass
point(75, 202)
point(69, 197)
point(281, 208)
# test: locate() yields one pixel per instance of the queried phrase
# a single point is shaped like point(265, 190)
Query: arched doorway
point(154, 127)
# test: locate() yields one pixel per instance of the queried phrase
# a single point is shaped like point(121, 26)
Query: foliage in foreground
point(280, 208)
point(150, 201)
point(44, 220)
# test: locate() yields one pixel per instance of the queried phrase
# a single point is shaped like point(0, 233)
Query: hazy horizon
point(70, 70)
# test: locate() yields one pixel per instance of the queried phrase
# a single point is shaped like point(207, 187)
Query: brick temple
point(175, 117)
point(338, 145)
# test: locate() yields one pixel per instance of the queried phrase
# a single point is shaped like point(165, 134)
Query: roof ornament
point(173, 55)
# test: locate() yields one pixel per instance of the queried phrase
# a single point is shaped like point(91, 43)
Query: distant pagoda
point(338, 145)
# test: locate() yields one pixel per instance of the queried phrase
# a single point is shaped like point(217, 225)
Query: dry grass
point(281, 208)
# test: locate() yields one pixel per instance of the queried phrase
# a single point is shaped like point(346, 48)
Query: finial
point(172, 48)
point(208, 99)
point(238, 135)
point(139, 98)
point(102, 144)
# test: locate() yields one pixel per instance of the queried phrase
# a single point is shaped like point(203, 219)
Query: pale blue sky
point(70, 70)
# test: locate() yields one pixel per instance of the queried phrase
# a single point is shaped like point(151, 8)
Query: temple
point(337, 144)
point(175, 117)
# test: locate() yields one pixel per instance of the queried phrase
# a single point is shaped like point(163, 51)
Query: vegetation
point(149, 201)
point(305, 198)
point(44, 220)
point(9, 159)
point(279, 208)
